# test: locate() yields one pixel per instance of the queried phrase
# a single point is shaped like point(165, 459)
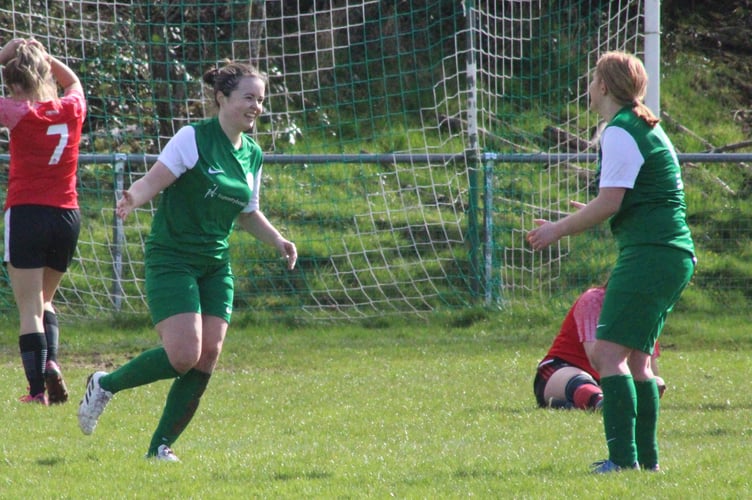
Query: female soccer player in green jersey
point(641, 191)
point(209, 174)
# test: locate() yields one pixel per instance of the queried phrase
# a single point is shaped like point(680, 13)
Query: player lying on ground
point(565, 377)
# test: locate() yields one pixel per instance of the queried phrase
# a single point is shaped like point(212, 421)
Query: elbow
point(611, 212)
point(73, 86)
point(607, 210)
point(246, 220)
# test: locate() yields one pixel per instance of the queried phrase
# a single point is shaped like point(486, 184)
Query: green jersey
point(215, 182)
point(642, 159)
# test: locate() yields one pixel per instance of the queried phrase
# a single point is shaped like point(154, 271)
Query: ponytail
point(644, 112)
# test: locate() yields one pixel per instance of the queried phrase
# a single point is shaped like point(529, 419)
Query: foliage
point(147, 60)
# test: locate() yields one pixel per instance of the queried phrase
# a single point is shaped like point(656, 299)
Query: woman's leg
point(32, 343)
point(27, 290)
point(180, 351)
point(57, 392)
point(150, 366)
point(50, 282)
point(575, 386)
point(619, 401)
point(185, 393)
point(648, 408)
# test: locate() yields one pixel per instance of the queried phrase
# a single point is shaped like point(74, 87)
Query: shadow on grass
point(51, 461)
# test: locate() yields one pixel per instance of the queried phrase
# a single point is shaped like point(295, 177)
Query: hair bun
point(210, 77)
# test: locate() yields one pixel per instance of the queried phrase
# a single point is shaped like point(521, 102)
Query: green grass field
point(433, 408)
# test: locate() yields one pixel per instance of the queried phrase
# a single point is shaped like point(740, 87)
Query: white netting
point(348, 79)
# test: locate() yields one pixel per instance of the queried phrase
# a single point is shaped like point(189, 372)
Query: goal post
point(653, 54)
point(408, 145)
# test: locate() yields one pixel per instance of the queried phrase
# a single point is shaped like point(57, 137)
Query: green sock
point(619, 413)
point(181, 405)
point(147, 367)
point(646, 426)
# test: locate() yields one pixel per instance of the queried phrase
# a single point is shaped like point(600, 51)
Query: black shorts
point(542, 374)
point(40, 236)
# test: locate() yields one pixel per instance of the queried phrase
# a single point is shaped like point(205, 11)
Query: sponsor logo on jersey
point(213, 192)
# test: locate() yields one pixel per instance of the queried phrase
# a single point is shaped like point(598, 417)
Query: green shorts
point(175, 287)
point(643, 287)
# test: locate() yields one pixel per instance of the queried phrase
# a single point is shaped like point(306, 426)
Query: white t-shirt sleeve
point(621, 159)
point(180, 154)
point(255, 183)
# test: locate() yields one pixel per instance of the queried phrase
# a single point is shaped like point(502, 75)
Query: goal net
point(395, 136)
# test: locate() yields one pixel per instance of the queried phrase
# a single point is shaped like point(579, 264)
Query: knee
point(184, 360)
point(610, 359)
point(183, 365)
point(209, 357)
point(603, 359)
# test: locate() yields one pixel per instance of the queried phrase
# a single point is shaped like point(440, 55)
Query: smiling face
point(238, 111)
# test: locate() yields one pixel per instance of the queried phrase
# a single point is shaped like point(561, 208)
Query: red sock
point(585, 394)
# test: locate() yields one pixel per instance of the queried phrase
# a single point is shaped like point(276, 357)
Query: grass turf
point(414, 410)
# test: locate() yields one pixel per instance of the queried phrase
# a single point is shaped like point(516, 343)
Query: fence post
point(118, 236)
point(472, 153)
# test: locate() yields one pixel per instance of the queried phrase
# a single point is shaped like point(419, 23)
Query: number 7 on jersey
point(62, 131)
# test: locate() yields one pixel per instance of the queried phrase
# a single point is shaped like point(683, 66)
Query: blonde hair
point(625, 78)
point(30, 71)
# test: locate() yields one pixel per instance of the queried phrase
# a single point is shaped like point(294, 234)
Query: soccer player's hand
point(8, 52)
point(125, 205)
point(542, 236)
point(661, 385)
point(288, 251)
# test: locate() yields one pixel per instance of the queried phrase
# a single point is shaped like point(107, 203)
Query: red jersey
point(579, 326)
point(44, 141)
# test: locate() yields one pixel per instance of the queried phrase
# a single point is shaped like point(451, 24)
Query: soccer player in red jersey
point(565, 377)
point(42, 219)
